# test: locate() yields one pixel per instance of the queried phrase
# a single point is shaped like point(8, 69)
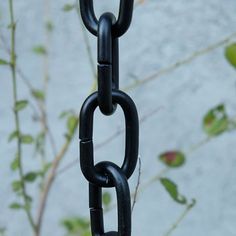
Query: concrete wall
point(162, 33)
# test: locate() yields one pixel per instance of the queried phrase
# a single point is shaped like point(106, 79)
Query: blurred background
point(177, 62)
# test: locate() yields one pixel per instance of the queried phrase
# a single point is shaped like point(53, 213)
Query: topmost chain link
point(119, 27)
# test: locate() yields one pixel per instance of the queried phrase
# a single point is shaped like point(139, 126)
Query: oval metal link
point(86, 137)
point(105, 64)
point(119, 180)
point(119, 27)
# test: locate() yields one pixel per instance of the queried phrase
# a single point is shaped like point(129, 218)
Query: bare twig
point(182, 62)
point(50, 179)
point(137, 185)
point(87, 44)
point(181, 218)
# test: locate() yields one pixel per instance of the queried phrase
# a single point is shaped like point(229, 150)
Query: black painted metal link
point(108, 174)
point(86, 137)
point(119, 27)
point(119, 180)
point(105, 74)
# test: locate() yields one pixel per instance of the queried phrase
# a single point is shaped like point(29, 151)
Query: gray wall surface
point(162, 33)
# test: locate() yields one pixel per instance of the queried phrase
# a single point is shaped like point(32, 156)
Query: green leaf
point(106, 199)
point(76, 225)
point(4, 62)
point(71, 123)
point(31, 177)
point(66, 113)
point(86, 233)
point(45, 169)
point(17, 185)
point(2, 231)
point(40, 143)
point(13, 135)
point(12, 25)
point(173, 158)
point(172, 189)
point(38, 94)
point(26, 139)
point(15, 163)
point(20, 105)
point(40, 50)
point(16, 206)
point(68, 7)
point(49, 26)
point(230, 54)
point(216, 121)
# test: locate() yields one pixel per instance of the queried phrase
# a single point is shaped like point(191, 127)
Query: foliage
point(230, 54)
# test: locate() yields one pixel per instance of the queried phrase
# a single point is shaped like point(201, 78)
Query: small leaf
point(27, 206)
point(39, 143)
point(16, 185)
point(173, 158)
point(13, 135)
point(76, 225)
point(38, 94)
point(65, 114)
point(16, 206)
point(49, 26)
point(230, 54)
point(2, 231)
point(86, 233)
point(20, 105)
point(193, 203)
point(12, 25)
point(216, 121)
point(15, 163)
point(68, 7)
point(4, 62)
point(40, 50)
point(106, 199)
point(26, 139)
point(172, 189)
point(45, 169)
point(31, 177)
point(71, 123)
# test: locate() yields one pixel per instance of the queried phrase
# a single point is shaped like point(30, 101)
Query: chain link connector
point(86, 137)
point(105, 79)
point(119, 180)
point(119, 27)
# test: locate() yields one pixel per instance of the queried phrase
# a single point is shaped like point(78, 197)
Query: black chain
point(107, 174)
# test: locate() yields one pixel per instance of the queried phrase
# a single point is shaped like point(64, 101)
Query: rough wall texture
point(162, 33)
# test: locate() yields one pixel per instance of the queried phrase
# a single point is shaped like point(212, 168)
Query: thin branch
point(182, 62)
point(137, 185)
point(50, 179)
point(188, 208)
point(16, 114)
point(86, 41)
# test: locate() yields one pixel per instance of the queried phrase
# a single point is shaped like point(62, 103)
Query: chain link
point(107, 174)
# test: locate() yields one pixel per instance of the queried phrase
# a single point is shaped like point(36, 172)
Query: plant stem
point(180, 218)
point(181, 62)
point(88, 47)
point(50, 179)
point(16, 114)
point(135, 195)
